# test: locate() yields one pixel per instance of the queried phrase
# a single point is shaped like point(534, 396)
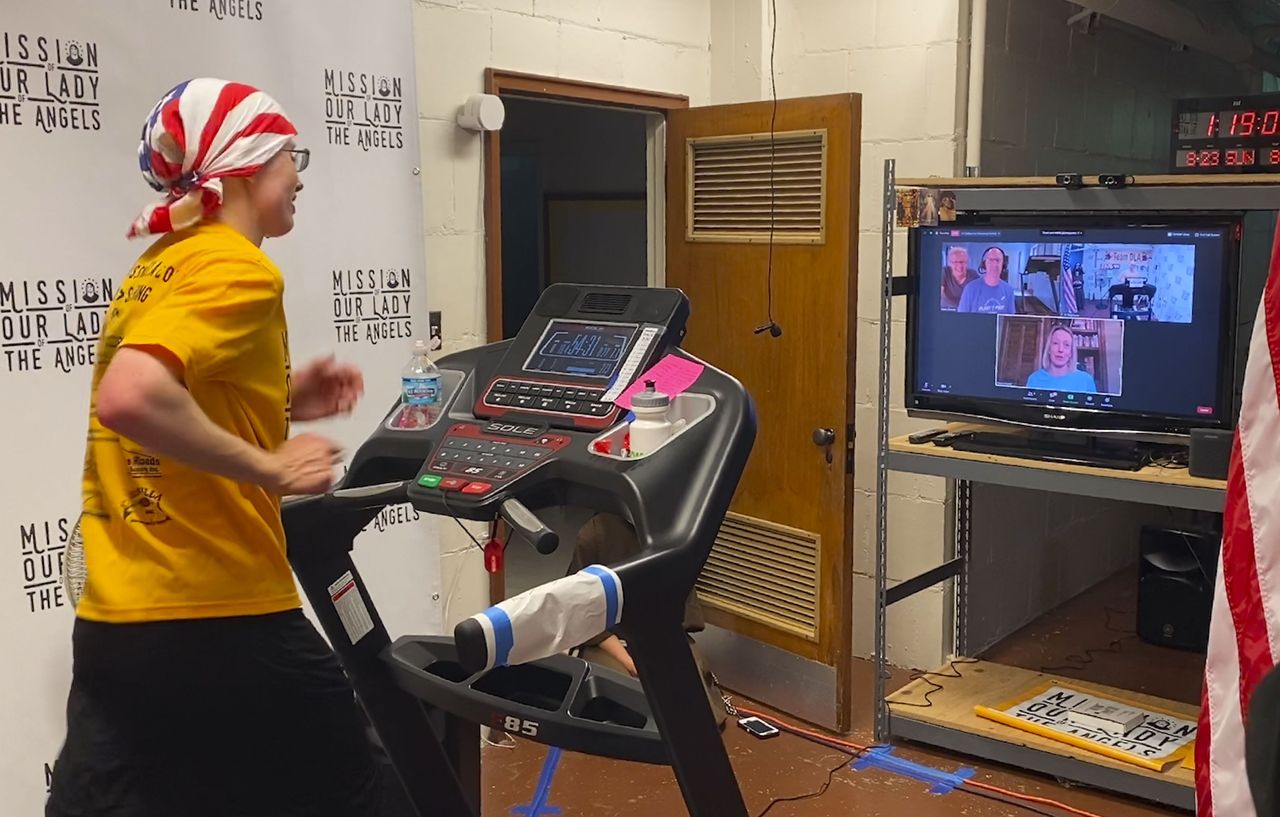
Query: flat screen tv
point(1120, 323)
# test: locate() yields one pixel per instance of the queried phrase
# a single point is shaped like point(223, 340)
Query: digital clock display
point(583, 349)
point(1227, 135)
point(1218, 124)
point(1228, 157)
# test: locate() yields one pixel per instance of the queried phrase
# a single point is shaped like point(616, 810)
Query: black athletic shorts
point(234, 717)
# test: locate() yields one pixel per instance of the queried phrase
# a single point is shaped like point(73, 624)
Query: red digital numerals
point(1247, 123)
point(1237, 157)
point(1204, 158)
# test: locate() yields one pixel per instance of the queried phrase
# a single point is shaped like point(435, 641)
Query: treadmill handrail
point(369, 496)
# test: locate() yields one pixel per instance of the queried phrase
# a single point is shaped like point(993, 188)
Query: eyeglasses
point(301, 157)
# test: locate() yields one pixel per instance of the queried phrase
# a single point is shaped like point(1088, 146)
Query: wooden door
point(781, 572)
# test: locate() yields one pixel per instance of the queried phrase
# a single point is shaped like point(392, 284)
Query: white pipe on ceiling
point(977, 62)
point(1177, 23)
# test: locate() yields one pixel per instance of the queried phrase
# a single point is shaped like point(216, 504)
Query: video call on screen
point(1107, 318)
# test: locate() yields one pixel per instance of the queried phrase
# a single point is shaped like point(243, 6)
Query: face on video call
point(1062, 351)
point(1085, 357)
point(993, 265)
point(958, 263)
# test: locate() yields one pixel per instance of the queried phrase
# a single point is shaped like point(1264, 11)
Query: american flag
point(1066, 283)
point(1244, 636)
point(200, 132)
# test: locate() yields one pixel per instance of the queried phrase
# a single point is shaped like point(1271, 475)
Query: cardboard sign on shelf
point(1161, 740)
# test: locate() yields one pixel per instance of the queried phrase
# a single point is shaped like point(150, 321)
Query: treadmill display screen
point(581, 349)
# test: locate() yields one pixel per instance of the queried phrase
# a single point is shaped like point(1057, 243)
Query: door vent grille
point(729, 197)
point(764, 572)
point(602, 303)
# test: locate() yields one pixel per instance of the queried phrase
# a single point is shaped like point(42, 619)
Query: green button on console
point(429, 481)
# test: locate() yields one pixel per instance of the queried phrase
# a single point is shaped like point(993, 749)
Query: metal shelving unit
point(962, 470)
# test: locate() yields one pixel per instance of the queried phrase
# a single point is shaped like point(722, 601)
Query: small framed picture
point(908, 208)
point(947, 205)
point(927, 202)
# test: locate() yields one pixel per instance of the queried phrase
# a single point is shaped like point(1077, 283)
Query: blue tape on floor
point(882, 757)
point(538, 806)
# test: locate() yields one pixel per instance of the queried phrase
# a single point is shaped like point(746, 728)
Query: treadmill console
point(513, 407)
point(474, 460)
point(578, 351)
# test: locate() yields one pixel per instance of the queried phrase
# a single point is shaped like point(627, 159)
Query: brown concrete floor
point(788, 766)
point(784, 766)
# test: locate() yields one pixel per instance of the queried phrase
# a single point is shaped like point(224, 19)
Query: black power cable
point(936, 687)
point(1077, 662)
point(772, 326)
point(444, 497)
point(844, 761)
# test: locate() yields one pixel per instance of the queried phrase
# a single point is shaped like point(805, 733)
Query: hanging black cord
point(772, 326)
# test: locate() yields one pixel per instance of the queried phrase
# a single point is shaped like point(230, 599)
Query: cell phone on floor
point(758, 727)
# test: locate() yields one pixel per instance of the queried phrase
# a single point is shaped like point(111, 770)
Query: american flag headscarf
point(197, 134)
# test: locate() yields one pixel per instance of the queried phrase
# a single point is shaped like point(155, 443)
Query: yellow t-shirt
point(163, 540)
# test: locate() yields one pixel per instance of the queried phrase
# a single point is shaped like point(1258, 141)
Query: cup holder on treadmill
point(448, 670)
point(604, 701)
point(607, 710)
point(528, 684)
point(577, 706)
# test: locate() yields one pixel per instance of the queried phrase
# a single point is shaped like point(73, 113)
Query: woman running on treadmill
point(198, 685)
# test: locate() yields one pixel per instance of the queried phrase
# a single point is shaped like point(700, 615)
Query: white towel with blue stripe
point(552, 617)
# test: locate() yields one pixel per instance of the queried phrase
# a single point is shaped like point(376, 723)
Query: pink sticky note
point(672, 375)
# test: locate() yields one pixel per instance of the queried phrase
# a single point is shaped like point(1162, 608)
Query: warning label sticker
point(351, 607)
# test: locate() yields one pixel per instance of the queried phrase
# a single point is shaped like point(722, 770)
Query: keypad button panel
point(468, 454)
point(549, 398)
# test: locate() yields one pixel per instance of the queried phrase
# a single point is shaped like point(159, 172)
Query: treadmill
point(523, 425)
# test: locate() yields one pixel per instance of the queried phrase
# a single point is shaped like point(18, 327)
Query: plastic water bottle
point(652, 426)
point(420, 389)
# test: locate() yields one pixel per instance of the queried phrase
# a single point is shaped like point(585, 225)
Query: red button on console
point(477, 488)
point(453, 484)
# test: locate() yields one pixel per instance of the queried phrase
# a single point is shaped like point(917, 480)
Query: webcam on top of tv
point(1071, 181)
point(1075, 181)
point(1115, 181)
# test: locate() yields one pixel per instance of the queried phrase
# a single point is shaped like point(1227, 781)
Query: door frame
point(556, 89)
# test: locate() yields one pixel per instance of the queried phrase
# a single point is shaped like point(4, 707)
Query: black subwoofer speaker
point(1175, 587)
point(1210, 453)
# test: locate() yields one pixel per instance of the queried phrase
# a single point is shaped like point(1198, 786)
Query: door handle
point(824, 438)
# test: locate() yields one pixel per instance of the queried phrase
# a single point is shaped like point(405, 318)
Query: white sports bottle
point(652, 426)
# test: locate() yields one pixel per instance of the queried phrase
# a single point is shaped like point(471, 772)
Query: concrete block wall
point(907, 58)
point(658, 45)
point(1058, 99)
point(1053, 546)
